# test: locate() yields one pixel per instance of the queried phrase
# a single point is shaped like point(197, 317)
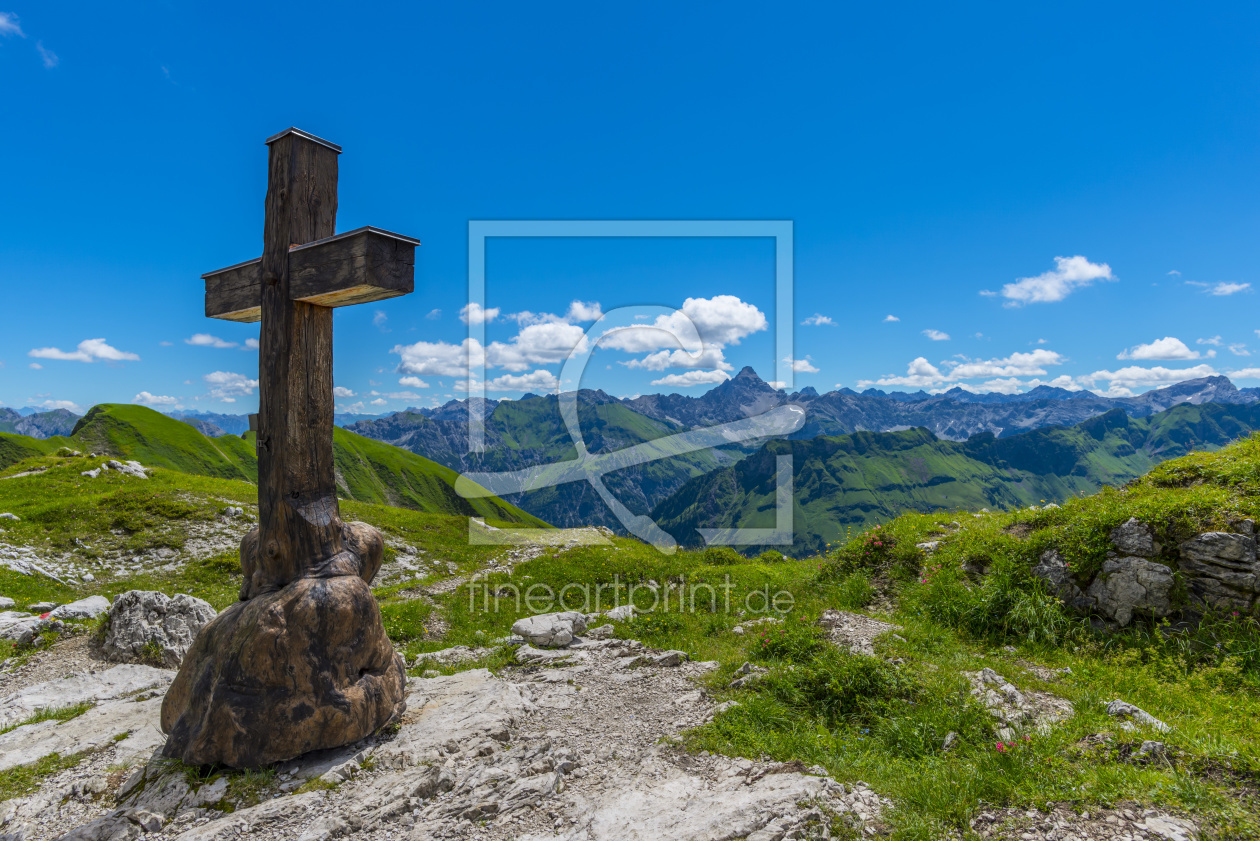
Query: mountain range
point(864, 478)
point(37, 424)
point(529, 432)
point(367, 471)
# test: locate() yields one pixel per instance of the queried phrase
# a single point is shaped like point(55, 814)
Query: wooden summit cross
point(302, 661)
point(304, 271)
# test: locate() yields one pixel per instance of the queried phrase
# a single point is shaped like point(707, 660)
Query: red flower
point(1001, 748)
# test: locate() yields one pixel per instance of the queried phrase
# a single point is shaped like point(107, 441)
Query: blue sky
point(1095, 168)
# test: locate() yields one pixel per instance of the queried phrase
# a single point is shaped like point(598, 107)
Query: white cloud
point(1018, 364)
point(936, 335)
point(584, 311)
point(403, 395)
point(817, 320)
point(1068, 275)
point(889, 318)
point(1174, 273)
point(1165, 348)
point(414, 382)
point(434, 314)
point(801, 366)
point(1239, 349)
point(1245, 374)
point(9, 25)
point(35, 366)
point(440, 359)
point(250, 344)
point(342, 391)
point(206, 340)
point(352, 408)
point(50, 405)
point(1229, 288)
point(776, 384)
point(721, 320)
point(694, 378)
point(538, 344)
point(1215, 340)
point(1135, 376)
point(919, 374)
point(710, 357)
point(379, 319)
point(474, 313)
point(227, 386)
point(146, 399)
point(380, 401)
point(89, 350)
point(46, 55)
point(540, 380)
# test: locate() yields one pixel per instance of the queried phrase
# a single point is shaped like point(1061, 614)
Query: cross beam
point(305, 270)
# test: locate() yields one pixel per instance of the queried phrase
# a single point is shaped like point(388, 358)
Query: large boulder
point(1220, 569)
point(1135, 538)
point(1132, 585)
point(551, 630)
point(22, 628)
point(144, 622)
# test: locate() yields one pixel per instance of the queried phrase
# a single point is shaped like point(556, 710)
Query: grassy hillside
point(848, 482)
point(368, 470)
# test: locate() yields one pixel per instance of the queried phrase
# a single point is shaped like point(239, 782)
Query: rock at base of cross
point(304, 668)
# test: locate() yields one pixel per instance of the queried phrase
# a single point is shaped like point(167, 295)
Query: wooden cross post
point(302, 661)
point(304, 272)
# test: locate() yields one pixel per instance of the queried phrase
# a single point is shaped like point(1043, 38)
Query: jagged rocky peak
point(1216, 389)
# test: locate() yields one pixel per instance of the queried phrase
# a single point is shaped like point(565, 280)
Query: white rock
point(1127, 711)
point(89, 608)
point(5, 602)
point(620, 613)
point(8, 516)
point(94, 729)
point(111, 684)
point(142, 618)
point(551, 630)
point(1130, 585)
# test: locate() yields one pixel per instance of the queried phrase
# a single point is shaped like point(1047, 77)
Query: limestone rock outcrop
point(143, 621)
point(1221, 570)
point(1130, 585)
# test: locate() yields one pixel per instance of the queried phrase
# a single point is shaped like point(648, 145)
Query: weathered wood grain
point(356, 267)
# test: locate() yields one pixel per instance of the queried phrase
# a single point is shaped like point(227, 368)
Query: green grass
point(24, 779)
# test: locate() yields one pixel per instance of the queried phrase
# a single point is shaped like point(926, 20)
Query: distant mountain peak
point(748, 374)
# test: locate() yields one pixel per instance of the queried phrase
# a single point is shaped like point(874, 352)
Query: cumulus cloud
point(710, 357)
point(206, 340)
point(936, 335)
point(227, 386)
point(801, 366)
point(474, 313)
point(144, 398)
point(379, 320)
point(90, 350)
point(540, 380)
point(889, 318)
point(1165, 348)
point(1245, 374)
point(721, 320)
point(250, 344)
point(413, 382)
point(51, 405)
point(380, 401)
point(538, 344)
point(584, 311)
point(1239, 349)
point(1018, 364)
point(434, 314)
point(1068, 275)
point(342, 391)
point(1135, 376)
point(919, 374)
point(440, 359)
point(817, 320)
point(694, 378)
point(403, 395)
point(1215, 340)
